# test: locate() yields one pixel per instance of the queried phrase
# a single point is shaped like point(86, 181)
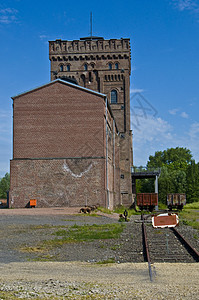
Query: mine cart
point(176, 201)
point(147, 201)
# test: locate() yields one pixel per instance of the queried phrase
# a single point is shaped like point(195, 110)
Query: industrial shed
point(65, 148)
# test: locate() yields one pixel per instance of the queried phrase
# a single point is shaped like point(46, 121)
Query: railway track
point(166, 245)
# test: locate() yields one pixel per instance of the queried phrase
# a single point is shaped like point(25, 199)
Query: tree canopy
point(174, 158)
point(4, 186)
point(179, 174)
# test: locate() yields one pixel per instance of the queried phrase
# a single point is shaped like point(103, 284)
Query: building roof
point(64, 82)
point(72, 85)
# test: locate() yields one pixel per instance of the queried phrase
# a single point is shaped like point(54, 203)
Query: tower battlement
point(87, 46)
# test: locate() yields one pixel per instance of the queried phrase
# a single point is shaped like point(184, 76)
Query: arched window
point(85, 67)
point(110, 66)
point(61, 68)
point(83, 80)
point(113, 96)
point(68, 68)
point(90, 77)
point(116, 66)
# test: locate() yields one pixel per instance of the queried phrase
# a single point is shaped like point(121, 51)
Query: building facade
point(103, 66)
point(65, 148)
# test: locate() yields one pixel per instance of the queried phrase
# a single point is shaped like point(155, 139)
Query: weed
point(104, 210)
point(106, 261)
point(90, 232)
point(115, 247)
point(75, 234)
point(37, 249)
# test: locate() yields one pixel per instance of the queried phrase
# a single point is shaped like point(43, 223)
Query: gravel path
point(87, 281)
point(72, 272)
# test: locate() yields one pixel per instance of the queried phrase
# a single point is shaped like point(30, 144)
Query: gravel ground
point(75, 274)
point(72, 280)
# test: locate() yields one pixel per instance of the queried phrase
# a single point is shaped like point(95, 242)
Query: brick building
point(72, 143)
point(103, 66)
point(65, 148)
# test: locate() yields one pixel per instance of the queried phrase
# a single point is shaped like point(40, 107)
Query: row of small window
point(113, 77)
point(110, 66)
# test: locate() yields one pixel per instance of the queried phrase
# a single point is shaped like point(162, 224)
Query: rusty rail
point(189, 247)
point(146, 248)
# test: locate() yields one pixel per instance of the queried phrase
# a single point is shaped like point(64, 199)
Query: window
point(83, 80)
point(90, 77)
point(110, 66)
point(85, 67)
point(116, 66)
point(113, 96)
point(68, 68)
point(61, 68)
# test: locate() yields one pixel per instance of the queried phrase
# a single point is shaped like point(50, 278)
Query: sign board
point(165, 220)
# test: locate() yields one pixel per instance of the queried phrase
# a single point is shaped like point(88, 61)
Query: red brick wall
point(58, 182)
point(60, 149)
point(58, 121)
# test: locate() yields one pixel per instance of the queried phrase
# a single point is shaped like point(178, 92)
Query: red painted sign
point(165, 220)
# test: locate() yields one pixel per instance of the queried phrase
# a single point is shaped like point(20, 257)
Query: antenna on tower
point(91, 21)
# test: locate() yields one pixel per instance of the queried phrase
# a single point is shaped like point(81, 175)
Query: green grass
point(194, 205)
point(106, 261)
point(120, 210)
point(92, 214)
point(162, 206)
point(104, 210)
point(90, 232)
point(114, 248)
point(190, 215)
point(76, 234)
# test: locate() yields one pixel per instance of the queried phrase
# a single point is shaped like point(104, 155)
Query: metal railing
point(145, 170)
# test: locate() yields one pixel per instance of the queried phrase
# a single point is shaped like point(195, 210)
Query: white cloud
point(43, 37)
point(186, 5)
point(173, 111)
point(151, 129)
point(8, 15)
point(150, 135)
point(184, 115)
point(194, 131)
point(155, 134)
point(133, 91)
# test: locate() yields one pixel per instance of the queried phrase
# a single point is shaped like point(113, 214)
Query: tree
point(4, 186)
point(192, 182)
point(174, 158)
point(175, 164)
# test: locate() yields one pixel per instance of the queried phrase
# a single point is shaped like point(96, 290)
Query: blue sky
point(165, 62)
